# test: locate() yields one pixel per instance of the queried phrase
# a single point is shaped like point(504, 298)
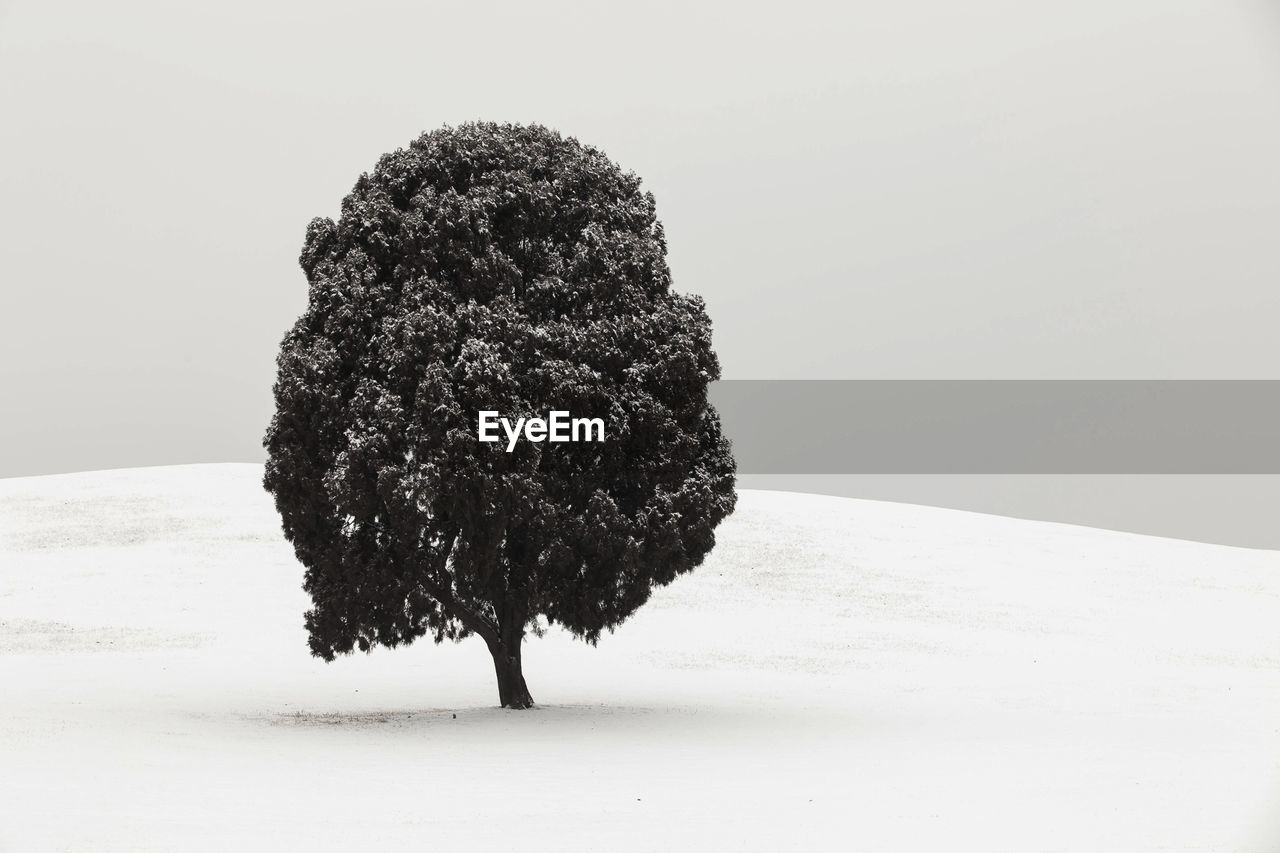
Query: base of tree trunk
point(512, 691)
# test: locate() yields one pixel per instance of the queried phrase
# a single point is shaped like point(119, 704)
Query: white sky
point(860, 190)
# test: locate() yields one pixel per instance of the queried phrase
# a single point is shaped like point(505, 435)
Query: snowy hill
point(840, 674)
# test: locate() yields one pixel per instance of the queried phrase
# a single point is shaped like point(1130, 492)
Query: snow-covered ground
point(840, 674)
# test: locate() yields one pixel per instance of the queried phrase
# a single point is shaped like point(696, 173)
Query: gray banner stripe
point(1002, 426)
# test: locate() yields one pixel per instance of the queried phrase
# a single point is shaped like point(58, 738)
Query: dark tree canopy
point(507, 268)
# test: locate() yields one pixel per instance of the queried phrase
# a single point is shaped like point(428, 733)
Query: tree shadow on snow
point(571, 717)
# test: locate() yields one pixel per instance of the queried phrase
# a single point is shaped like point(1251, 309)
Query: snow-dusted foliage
point(507, 268)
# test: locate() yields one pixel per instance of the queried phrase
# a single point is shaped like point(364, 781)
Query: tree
point(492, 268)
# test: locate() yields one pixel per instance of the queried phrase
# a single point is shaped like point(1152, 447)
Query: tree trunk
point(512, 691)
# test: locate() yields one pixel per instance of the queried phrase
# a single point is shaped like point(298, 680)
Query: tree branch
point(442, 590)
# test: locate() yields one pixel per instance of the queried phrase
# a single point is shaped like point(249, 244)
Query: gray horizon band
point(811, 426)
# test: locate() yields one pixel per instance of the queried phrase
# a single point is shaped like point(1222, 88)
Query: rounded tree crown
point(492, 268)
